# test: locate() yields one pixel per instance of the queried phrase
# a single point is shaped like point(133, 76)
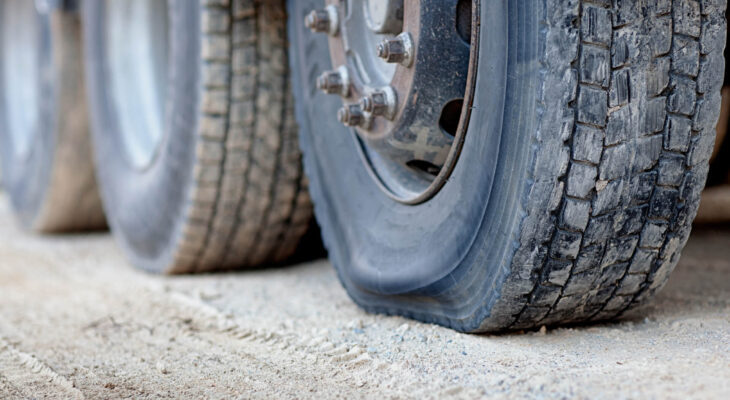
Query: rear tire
point(44, 138)
point(223, 187)
point(580, 174)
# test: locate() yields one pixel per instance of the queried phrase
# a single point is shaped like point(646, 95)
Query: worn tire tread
point(618, 175)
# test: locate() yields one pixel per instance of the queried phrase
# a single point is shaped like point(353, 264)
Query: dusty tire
point(577, 207)
point(44, 140)
point(224, 187)
point(720, 161)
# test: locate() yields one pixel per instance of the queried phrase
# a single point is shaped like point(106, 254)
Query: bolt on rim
point(405, 72)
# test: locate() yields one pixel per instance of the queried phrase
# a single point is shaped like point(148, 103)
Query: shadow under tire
point(580, 175)
point(45, 146)
point(200, 169)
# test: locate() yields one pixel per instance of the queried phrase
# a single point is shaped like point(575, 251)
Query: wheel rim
point(136, 39)
point(21, 35)
point(408, 109)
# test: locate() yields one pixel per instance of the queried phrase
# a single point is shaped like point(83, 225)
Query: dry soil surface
point(76, 321)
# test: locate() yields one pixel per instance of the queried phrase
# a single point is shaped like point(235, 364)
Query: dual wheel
point(484, 165)
point(194, 142)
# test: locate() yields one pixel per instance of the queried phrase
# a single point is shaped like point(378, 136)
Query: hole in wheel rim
point(424, 167)
point(464, 19)
point(450, 116)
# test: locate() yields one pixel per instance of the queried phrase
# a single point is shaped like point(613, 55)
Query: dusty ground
point(76, 321)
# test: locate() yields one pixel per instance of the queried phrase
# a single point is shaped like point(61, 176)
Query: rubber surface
point(579, 179)
point(720, 162)
point(52, 187)
point(226, 190)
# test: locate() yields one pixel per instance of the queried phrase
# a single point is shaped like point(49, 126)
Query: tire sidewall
point(145, 206)
point(26, 176)
point(458, 246)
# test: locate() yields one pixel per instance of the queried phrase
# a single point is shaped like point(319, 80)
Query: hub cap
point(402, 71)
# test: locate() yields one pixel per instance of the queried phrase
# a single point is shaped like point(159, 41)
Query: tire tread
point(624, 191)
point(249, 204)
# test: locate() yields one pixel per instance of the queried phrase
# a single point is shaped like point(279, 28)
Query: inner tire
point(44, 139)
point(580, 174)
point(221, 186)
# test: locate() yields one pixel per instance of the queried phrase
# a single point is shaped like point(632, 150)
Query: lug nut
point(318, 21)
point(380, 102)
point(398, 50)
point(351, 115)
point(323, 21)
point(335, 82)
point(376, 103)
point(330, 82)
point(392, 50)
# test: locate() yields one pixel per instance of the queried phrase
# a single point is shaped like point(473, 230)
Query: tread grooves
point(222, 164)
point(241, 151)
point(622, 202)
point(242, 200)
point(255, 246)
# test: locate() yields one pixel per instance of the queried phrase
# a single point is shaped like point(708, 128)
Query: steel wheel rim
point(21, 76)
point(404, 171)
point(136, 42)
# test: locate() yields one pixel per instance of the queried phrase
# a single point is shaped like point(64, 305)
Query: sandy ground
point(77, 322)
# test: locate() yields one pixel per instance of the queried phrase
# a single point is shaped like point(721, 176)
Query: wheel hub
point(384, 16)
point(401, 69)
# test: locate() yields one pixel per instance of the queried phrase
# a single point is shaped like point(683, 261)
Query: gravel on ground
point(76, 321)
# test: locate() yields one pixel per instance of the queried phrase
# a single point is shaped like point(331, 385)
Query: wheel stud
point(323, 21)
point(398, 50)
point(392, 51)
point(318, 21)
point(351, 115)
point(334, 82)
point(330, 82)
point(379, 102)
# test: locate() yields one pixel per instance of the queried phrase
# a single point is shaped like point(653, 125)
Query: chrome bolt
point(323, 21)
point(398, 50)
point(351, 115)
point(335, 82)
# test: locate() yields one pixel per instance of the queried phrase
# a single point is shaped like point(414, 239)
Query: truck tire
point(720, 160)
point(587, 147)
point(198, 160)
point(44, 140)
